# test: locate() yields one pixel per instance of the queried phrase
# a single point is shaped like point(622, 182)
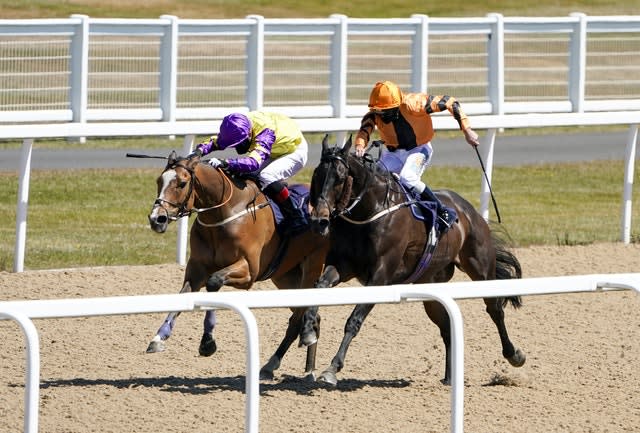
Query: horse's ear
point(325, 143)
point(172, 158)
point(347, 145)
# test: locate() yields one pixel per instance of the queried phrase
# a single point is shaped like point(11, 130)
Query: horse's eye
point(182, 184)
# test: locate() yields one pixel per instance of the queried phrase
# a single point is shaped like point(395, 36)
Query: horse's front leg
point(310, 322)
point(236, 275)
point(164, 332)
point(351, 329)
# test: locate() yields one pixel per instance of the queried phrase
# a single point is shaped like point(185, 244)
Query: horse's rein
point(342, 213)
point(249, 209)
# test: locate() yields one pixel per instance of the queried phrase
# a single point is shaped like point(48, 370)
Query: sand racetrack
point(582, 372)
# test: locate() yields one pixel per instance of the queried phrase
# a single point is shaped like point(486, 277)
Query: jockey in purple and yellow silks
point(273, 148)
point(404, 124)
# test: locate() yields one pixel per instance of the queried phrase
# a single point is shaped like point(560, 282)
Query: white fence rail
point(84, 69)
point(24, 312)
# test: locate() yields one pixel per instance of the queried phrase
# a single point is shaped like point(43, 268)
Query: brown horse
point(233, 242)
point(376, 239)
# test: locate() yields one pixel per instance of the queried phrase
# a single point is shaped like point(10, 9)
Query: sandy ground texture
point(582, 372)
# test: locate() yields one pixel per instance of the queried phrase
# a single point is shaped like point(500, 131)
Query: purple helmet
point(234, 129)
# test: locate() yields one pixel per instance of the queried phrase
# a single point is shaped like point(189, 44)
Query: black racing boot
point(445, 215)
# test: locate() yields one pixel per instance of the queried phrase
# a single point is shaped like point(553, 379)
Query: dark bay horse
point(375, 238)
point(233, 242)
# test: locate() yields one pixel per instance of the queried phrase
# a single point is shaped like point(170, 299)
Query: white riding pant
point(409, 164)
point(285, 166)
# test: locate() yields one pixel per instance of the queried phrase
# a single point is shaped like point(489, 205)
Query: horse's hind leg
point(351, 329)
point(438, 315)
point(495, 309)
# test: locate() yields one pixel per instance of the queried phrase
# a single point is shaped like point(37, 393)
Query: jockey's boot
point(295, 221)
point(446, 216)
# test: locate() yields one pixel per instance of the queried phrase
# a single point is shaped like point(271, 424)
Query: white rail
point(24, 312)
point(492, 123)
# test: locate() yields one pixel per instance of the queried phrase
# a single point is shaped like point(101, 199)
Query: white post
point(496, 64)
point(23, 203)
point(183, 223)
point(629, 157)
point(255, 64)
point(252, 381)
point(338, 73)
point(169, 69)
point(79, 73)
point(487, 149)
point(577, 63)
point(32, 373)
point(420, 54)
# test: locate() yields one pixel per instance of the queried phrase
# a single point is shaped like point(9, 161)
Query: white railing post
point(578, 63)
point(487, 148)
point(32, 372)
point(252, 380)
point(338, 72)
point(495, 64)
point(169, 69)
point(23, 204)
point(183, 223)
point(420, 54)
point(629, 168)
point(255, 64)
point(79, 71)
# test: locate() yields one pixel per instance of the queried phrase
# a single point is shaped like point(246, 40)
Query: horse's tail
point(507, 264)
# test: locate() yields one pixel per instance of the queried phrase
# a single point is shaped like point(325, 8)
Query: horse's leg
point(351, 329)
point(311, 320)
point(164, 332)
point(236, 275)
point(438, 315)
point(292, 332)
point(495, 309)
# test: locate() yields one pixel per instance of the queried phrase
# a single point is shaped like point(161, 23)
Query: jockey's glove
point(218, 163)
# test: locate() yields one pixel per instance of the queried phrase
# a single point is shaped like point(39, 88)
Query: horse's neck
point(373, 189)
point(213, 188)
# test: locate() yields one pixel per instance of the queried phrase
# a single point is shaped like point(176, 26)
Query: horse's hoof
point(266, 375)
point(328, 378)
point(207, 346)
point(156, 346)
point(310, 376)
point(446, 381)
point(518, 359)
point(308, 339)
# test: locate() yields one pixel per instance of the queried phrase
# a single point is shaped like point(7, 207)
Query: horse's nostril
point(161, 219)
point(323, 223)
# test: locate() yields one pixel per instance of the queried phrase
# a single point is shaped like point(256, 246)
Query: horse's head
point(330, 185)
point(175, 192)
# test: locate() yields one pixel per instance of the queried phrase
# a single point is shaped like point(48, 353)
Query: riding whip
point(139, 155)
point(493, 199)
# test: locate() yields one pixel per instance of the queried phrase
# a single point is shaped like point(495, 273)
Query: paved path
point(508, 151)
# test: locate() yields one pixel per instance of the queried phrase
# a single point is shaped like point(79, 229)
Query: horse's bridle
point(341, 208)
point(183, 209)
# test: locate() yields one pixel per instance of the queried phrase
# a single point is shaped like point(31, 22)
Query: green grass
point(294, 8)
point(99, 217)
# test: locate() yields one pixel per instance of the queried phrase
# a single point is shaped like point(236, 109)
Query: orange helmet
point(385, 94)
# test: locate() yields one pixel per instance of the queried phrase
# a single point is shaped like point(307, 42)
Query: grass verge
point(99, 217)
